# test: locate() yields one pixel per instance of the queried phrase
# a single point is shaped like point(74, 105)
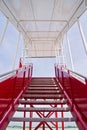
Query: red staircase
point(43, 102)
point(44, 98)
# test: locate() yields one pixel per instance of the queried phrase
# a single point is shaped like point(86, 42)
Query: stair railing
point(74, 86)
point(12, 85)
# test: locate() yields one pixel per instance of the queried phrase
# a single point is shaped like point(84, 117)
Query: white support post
point(4, 31)
point(15, 56)
point(59, 56)
point(72, 64)
point(56, 53)
point(24, 50)
point(82, 35)
point(62, 49)
point(23, 56)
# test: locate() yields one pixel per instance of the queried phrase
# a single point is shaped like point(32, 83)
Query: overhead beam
point(37, 20)
point(41, 50)
point(42, 31)
point(43, 40)
point(42, 56)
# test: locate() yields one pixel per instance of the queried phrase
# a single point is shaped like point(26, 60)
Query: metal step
point(53, 91)
point(18, 119)
point(42, 92)
point(42, 102)
point(43, 88)
point(31, 109)
point(48, 96)
point(43, 85)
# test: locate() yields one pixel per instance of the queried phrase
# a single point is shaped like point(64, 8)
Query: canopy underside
point(42, 22)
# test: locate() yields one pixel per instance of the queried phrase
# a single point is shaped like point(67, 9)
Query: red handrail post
point(86, 81)
point(20, 63)
point(24, 79)
point(62, 79)
point(62, 115)
point(14, 89)
point(28, 72)
point(58, 72)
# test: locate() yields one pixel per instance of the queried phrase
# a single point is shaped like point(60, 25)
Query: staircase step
point(43, 88)
point(43, 85)
point(42, 102)
point(31, 109)
point(42, 92)
point(18, 119)
point(48, 91)
point(48, 96)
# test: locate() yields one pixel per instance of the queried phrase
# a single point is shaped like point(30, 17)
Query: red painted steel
point(42, 108)
point(20, 63)
point(62, 115)
point(67, 83)
point(12, 86)
point(56, 115)
point(74, 87)
point(30, 123)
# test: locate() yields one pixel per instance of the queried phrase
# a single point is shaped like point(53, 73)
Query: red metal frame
point(75, 91)
point(39, 113)
point(11, 89)
point(15, 83)
point(44, 115)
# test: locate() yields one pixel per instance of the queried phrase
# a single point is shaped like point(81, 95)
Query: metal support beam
point(37, 20)
point(15, 56)
point(82, 35)
point(56, 52)
point(4, 31)
point(68, 42)
point(62, 116)
point(56, 116)
point(30, 123)
point(38, 126)
point(24, 125)
point(62, 49)
point(43, 125)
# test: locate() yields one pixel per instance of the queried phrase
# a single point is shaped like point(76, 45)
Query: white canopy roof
point(42, 22)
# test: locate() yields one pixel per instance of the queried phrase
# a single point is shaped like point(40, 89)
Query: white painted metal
point(38, 21)
point(4, 31)
point(82, 35)
point(70, 53)
point(15, 55)
point(62, 50)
